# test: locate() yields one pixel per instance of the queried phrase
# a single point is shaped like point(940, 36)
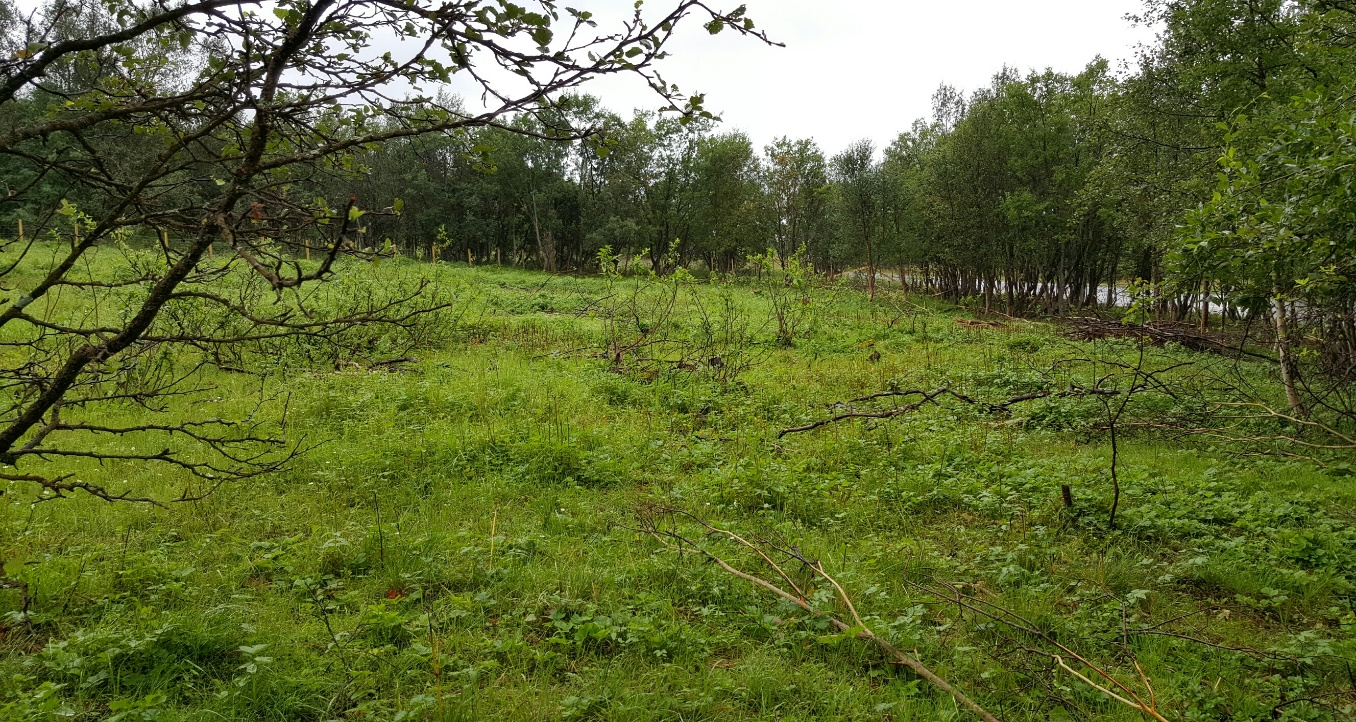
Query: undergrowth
point(458, 545)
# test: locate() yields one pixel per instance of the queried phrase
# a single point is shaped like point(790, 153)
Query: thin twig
point(650, 525)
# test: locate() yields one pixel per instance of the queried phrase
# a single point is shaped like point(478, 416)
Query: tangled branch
point(952, 594)
point(663, 524)
point(931, 397)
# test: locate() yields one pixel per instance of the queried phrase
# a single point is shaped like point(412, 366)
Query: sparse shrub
point(788, 285)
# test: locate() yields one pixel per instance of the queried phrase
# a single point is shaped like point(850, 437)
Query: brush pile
point(1157, 333)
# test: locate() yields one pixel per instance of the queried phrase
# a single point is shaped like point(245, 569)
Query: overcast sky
point(867, 68)
point(862, 68)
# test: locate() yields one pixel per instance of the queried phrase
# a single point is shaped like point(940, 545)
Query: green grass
point(458, 547)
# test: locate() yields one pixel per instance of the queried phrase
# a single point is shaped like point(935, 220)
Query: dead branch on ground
point(663, 524)
point(931, 397)
point(1111, 687)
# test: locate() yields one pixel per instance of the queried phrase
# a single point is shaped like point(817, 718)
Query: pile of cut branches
point(1159, 333)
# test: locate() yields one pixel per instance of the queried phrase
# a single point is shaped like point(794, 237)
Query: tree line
point(1209, 182)
point(192, 174)
point(1043, 192)
point(1040, 193)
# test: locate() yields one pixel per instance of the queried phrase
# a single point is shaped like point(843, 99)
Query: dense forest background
point(1213, 177)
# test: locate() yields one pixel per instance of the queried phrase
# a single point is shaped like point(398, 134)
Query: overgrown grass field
point(461, 540)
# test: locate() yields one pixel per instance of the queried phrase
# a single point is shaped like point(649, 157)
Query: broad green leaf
point(15, 566)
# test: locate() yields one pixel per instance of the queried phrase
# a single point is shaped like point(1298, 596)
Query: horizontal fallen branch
point(927, 397)
point(970, 323)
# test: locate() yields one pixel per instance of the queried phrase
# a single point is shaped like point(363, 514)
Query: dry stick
point(1272, 413)
point(394, 361)
point(862, 633)
point(435, 644)
point(75, 587)
point(819, 567)
point(1144, 679)
point(744, 542)
point(1259, 654)
point(866, 634)
point(932, 397)
point(1007, 616)
point(494, 520)
point(1060, 661)
point(1149, 709)
point(381, 535)
point(889, 414)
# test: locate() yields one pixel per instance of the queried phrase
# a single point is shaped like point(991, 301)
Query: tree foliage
point(227, 125)
point(1208, 181)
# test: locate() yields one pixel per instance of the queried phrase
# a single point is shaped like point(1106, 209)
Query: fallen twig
point(651, 523)
point(1007, 617)
point(932, 397)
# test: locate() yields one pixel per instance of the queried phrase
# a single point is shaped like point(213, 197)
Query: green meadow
point(462, 534)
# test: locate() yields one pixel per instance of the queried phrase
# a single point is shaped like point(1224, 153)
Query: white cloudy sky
point(867, 68)
point(863, 68)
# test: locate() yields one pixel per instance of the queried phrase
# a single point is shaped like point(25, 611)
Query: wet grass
point(458, 547)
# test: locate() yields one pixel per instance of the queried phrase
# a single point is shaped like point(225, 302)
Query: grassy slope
point(499, 586)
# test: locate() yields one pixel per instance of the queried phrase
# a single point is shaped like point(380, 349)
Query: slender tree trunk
point(1155, 292)
point(546, 245)
point(870, 271)
point(1115, 477)
point(1205, 305)
point(1284, 351)
point(1111, 276)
